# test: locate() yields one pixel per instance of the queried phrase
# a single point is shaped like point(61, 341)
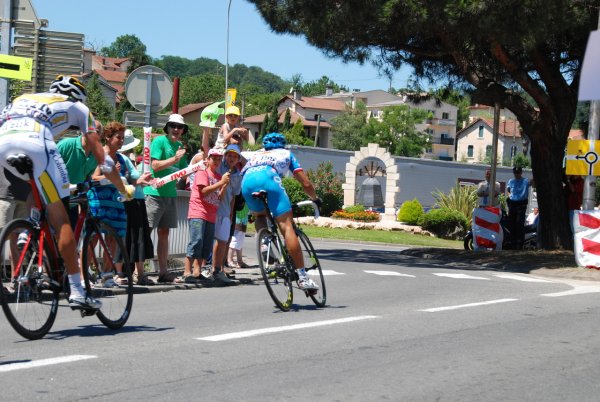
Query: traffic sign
point(16, 67)
point(138, 119)
point(148, 89)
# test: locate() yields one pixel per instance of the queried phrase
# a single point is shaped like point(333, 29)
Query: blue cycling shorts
point(265, 178)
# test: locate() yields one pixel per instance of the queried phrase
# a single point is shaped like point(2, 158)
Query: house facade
point(474, 142)
point(314, 113)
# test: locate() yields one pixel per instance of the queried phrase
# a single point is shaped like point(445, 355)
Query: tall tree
point(396, 131)
point(500, 48)
point(287, 120)
point(273, 123)
point(319, 87)
point(129, 46)
point(347, 128)
point(96, 101)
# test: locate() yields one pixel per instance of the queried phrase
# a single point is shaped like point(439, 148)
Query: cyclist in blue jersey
point(264, 171)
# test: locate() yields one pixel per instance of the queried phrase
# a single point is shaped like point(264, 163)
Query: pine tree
point(287, 121)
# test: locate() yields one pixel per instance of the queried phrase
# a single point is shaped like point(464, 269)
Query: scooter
point(529, 242)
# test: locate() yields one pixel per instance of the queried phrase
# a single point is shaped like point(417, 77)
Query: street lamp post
point(227, 55)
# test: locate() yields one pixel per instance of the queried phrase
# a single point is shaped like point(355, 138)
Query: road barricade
point(487, 231)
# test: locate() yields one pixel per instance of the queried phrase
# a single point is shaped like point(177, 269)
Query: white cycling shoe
point(305, 283)
point(84, 303)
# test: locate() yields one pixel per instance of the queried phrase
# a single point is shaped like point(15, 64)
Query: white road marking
point(522, 278)
point(389, 273)
point(272, 330)
point(463, 276)
point(44, 362)
point(326, 272)
point(578, 290)
point(436, 309)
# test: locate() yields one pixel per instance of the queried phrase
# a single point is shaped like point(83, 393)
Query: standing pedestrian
point(518, 196)
point(167, 156)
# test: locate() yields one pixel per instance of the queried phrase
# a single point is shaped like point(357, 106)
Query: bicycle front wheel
point(313, 268)
point(107, 274)
point(276, 273)
point(29, 296)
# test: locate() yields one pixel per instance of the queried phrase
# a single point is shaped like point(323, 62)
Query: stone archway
point(392, 177)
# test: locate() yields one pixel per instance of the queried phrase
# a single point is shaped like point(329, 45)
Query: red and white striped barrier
point(487, 231)
point(586, 236)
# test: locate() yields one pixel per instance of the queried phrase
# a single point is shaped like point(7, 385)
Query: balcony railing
point(441, 122)
point(446, 141)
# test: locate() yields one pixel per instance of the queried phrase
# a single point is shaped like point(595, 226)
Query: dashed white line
point(484, 303)
point(44, 362)
point(578, 290)
point(326, 272)
point(389, 273)
point(462, 276)
point(272, 330)
point(521, 278)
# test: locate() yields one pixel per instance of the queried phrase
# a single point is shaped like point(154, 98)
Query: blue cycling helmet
point(273, 141)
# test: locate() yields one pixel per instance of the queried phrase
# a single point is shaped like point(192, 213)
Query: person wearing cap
point(167, 155)
point(231, 132)
point(202, 214)
point(518, 196)
point(137, 240)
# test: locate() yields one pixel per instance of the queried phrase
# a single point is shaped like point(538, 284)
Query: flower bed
point(360, 216)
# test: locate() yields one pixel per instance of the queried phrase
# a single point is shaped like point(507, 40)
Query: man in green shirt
point(166, 157)
point(77, 155)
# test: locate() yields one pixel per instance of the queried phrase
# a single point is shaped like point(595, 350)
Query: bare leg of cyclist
point(57, 215)
point(293, 246)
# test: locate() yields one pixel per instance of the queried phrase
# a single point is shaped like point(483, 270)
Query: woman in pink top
point(202, 213)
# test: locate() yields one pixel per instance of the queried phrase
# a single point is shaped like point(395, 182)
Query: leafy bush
point(293, 189)
point(355, 208)
point(445, 223)
point(363, 216)
point(460, 198)
point(328, 186)
point(411, 212)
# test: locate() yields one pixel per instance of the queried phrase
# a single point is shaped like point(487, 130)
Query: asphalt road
point(396, 328)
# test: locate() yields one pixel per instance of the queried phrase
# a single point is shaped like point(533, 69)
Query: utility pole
point(6, 19)
point(589, 187)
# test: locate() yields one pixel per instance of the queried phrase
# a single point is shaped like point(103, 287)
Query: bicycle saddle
point(21, 162)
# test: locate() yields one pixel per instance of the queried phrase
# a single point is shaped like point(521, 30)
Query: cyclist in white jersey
point(264, 171)
point(30, 125)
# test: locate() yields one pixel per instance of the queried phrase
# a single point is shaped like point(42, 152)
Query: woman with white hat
point(137, 239)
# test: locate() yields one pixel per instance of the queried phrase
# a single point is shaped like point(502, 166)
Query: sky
point(197, 28)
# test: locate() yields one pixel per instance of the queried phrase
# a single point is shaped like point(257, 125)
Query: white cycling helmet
point(70, 86)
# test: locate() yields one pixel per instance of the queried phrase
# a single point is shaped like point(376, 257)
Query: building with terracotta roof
point(113, 71)
point(474, 142)
point(315, 114)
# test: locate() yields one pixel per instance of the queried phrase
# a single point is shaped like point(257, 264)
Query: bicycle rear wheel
point(30, 300)
point(313, 268)
point(278, 276)
point(105, 263)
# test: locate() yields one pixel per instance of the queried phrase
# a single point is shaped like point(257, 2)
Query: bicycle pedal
point(86, 312)
point(311, 292)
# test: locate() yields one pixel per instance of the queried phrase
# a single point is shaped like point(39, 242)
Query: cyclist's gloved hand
point(319, 203)
point(128, 194)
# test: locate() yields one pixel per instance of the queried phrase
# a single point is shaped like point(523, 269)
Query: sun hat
point(129, 142)
point(215, 152)
point(233, 148)
point(232, 110)
point(177, 119)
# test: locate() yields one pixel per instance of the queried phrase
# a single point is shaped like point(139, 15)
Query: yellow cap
point(232, 110)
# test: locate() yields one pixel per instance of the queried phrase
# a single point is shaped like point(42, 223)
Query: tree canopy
point(500, 49)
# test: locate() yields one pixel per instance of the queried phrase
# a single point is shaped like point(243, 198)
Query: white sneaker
point(84, 302)
point(305, 283)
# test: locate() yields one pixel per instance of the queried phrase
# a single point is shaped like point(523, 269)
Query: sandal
point(143, 280)
point(169, 277)
point(120, 280)
point(189, 279)
point(244, 265)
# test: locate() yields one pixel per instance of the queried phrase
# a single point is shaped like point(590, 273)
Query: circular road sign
point(148, 85)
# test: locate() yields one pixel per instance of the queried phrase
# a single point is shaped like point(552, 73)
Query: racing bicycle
point(33, 273)
point(276, 266)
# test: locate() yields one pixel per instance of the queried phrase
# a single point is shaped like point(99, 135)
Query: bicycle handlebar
point(311, 204)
